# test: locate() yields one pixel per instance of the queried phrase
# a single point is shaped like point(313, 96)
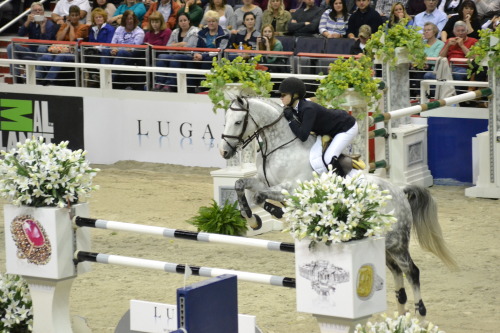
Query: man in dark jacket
point(364, 15)
point(305, 21)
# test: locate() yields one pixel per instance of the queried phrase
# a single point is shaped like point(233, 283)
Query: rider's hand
point(288, 112)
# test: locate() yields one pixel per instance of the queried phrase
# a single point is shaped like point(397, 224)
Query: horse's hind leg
point(405, 263)
point(398, 283)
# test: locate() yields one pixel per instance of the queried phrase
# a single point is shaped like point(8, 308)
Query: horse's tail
point(426, 224)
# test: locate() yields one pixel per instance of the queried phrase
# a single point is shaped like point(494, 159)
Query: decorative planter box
point(345, 280)
point(40, 242)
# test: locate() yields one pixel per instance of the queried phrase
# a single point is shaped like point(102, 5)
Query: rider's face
point(286, 99)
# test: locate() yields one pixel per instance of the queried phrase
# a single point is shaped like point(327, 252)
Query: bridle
point(244, 142)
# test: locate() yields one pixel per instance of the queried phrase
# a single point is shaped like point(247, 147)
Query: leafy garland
point(483, 49)
point(349, 73)
point(236, 71)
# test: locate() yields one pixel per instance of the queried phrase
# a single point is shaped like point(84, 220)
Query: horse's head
point(244, 119)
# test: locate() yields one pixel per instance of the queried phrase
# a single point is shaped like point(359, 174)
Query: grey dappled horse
point(283, 159)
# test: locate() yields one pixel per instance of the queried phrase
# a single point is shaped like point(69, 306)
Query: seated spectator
point(458, 47)
point(61, 10)
point(305, 21)
point(224, 10)
point(431, 14)
point(100, 31)
point(158, 33)
point(186, 35)
point(364, 15)
point(268, 42)
point(37, 26)
point(277, 16)
point(414, 7)
point(484, 7)
point(148, 3)
point(432, 51)
point(364, 34)
point(71, 31)
point(194, 11)
point(384, 7)
point(134, 5)
point(492, 24)
point(237, 19)
point(398, 13)
point(246, 38)
point(333, 23)
point(450, 7)
point(129, 33)
point(467, 13)
point(168, 8)
point(104, 5)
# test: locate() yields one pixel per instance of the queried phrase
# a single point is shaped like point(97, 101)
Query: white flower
point(16, 302)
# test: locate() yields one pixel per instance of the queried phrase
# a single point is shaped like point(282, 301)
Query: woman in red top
point(158, 33)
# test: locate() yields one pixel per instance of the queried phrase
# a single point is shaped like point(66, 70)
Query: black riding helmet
point(292, 85)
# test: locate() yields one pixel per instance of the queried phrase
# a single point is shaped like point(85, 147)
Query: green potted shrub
point(349, 75)
point(217, 219)
point(486, 51)
point(236, 71)
point(397, 42)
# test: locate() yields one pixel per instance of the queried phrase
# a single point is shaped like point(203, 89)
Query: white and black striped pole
point(183, 234)
point(168, 267)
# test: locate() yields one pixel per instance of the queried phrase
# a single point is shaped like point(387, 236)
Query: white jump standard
point(274, 280)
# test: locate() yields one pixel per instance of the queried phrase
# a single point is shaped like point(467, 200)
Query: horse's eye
point(238, 122)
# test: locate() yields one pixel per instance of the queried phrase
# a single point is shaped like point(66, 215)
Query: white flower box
point(345, 280)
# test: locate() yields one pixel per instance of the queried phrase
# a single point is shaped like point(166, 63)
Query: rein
point(255, 134)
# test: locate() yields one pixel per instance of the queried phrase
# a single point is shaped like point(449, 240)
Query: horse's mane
point(266, 101)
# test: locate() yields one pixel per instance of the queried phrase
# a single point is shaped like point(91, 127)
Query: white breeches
point(338, 144)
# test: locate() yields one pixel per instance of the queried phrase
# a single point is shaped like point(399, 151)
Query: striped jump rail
point(183, 234)
point(102, 258)
point(431, 105)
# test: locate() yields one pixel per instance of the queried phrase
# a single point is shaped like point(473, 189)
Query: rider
point(305, 117)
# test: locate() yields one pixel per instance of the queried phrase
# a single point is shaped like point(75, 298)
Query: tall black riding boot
point(337, 168)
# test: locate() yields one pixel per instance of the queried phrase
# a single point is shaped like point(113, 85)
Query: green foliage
point(225, 220)
point(349, 73)
point(483, 49)
point(383, 44)
point(236, 71)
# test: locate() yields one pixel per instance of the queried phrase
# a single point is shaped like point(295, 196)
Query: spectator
point(129, 33)
point(364, 15)
point(237, 19)
point(224, 10)
point(432, 51)
point(450, 7)
point(398, 13)
point(61, 10)
point(467, 12)
point(102, 4)
point(37, 26)
point(247, 37)
point(268, 42)
point(333, 23)
point(364, 34)
point(147, 4)
point(458, 47)
point(186, 35)
point(384, 7)
point(158, 33)
point(194, 11)
point(100, 31)
point(168, 8)
point(305, 21)
point(487, 6)
point(431, 14)
point(69, 31)
point(134, 5)
point(277, 16)
point(492, 24)
point(414, 7)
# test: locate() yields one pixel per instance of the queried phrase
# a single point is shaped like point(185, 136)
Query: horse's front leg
point(251, 184)
point(272, 193)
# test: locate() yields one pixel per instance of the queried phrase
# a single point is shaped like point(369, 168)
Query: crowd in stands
point(449, 27)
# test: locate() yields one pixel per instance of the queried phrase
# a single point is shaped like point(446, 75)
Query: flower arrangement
point(401, 324)
point(15, 305)
point(332, 209)
point(236, 71)
point(39, 174)
point(345, 74)
point(487, 47)
point(384, 42)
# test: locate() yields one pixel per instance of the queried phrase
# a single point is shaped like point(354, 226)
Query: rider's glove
point(288, 112)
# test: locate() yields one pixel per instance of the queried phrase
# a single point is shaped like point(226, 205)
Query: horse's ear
point(240, 101)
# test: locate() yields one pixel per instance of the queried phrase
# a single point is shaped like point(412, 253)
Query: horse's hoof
point(257, 223)
point(274, 210)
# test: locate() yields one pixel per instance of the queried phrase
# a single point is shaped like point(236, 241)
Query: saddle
point(348, 162)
